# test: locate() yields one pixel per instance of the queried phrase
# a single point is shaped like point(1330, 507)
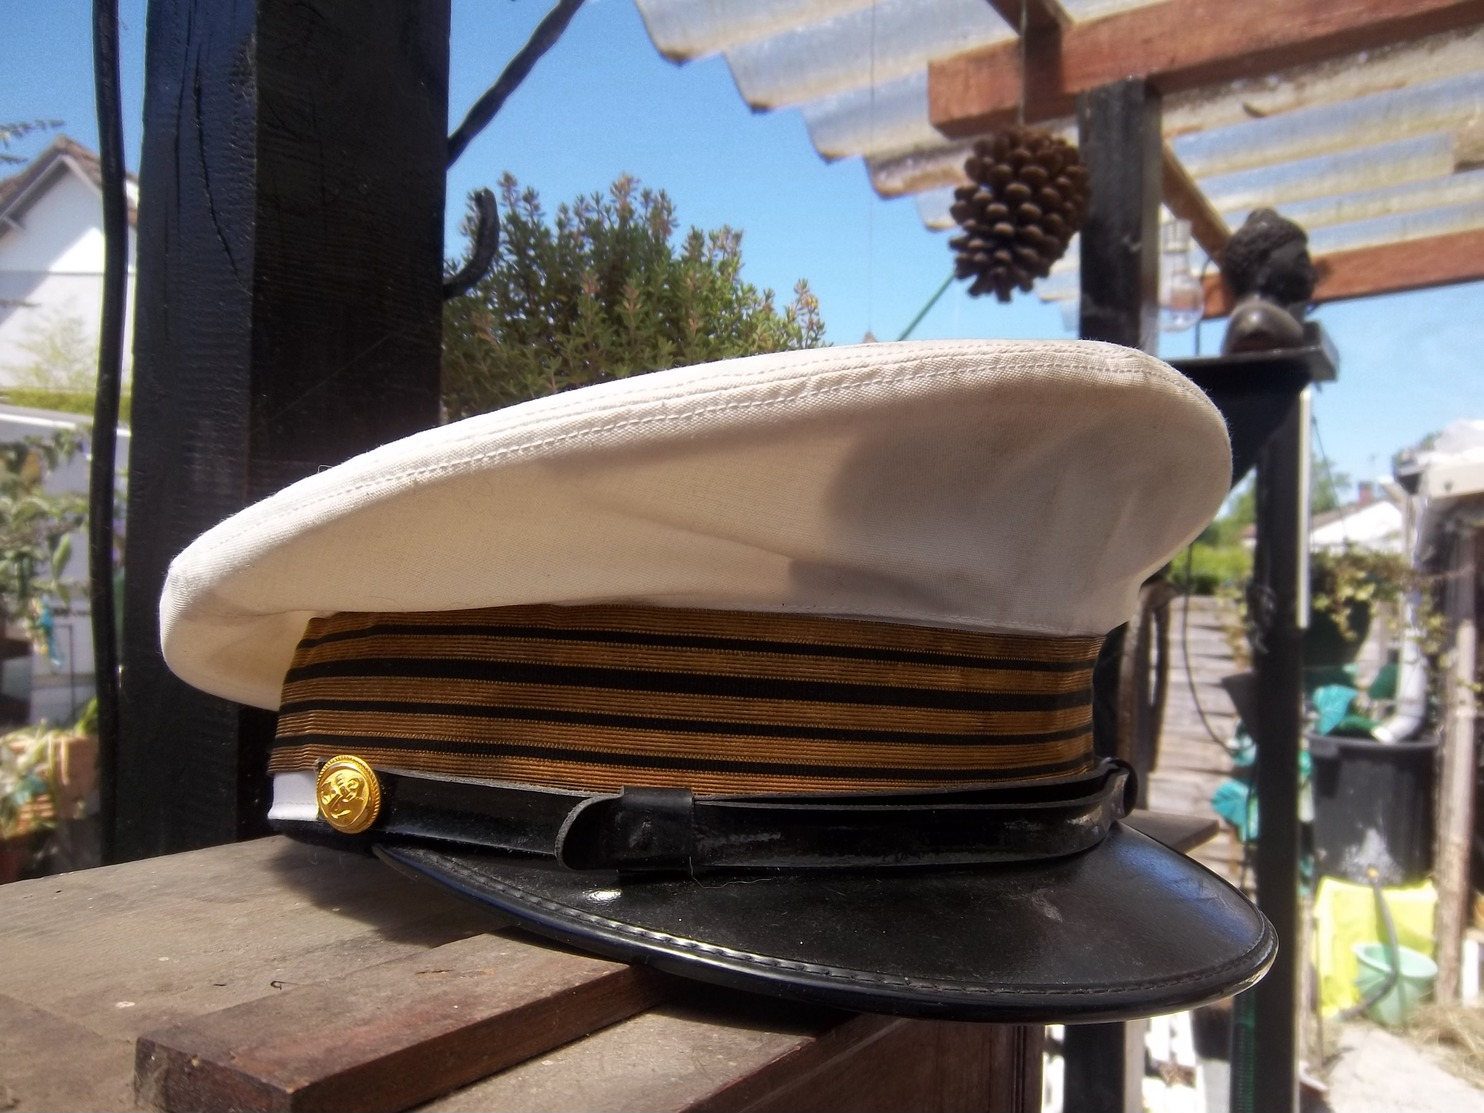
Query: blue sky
point(603, 102)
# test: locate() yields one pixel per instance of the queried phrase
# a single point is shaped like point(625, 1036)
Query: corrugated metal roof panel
point(1374, 147)
point(890, 116)
point(1436, 106)
point(864, 46)
point(685, 29)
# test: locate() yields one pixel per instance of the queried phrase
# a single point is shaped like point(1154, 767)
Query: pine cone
point(1025, 200)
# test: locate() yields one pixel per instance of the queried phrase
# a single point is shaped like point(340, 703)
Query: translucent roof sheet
point(684, 29)
point(878, 43)
point(1379, 146)
point(889, 117)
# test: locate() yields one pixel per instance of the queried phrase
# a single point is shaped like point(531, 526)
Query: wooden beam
point(1183, 196)
point(1386, 269)
point(1177, 45)
point(1041, 16)
point(412, 1030)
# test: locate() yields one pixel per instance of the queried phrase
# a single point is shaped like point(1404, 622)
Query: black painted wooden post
point(1278, 665)
point(1119, 135)
point(290, 262)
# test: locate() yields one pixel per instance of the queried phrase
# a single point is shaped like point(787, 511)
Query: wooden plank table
point(275, 975)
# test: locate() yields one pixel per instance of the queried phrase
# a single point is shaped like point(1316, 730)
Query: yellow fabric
point(1345, 914)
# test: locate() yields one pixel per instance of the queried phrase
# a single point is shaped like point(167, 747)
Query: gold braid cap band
point(596, 698)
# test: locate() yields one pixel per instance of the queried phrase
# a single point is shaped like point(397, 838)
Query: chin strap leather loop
point(648, 830)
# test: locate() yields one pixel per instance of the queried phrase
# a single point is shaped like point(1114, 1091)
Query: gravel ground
point(1378, 1072)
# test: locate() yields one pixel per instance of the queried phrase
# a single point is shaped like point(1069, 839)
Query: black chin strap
point(667, 829)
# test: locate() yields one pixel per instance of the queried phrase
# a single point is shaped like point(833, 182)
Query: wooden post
point(1118, 131)
point(290, 264)
point(1459, 763)
point(1119, 136)
point(1271, 1007)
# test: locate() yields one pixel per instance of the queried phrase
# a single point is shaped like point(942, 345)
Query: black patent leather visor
point(1127, 929)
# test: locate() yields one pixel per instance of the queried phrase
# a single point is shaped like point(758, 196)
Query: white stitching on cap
point(836, 973)
point(1176, 386)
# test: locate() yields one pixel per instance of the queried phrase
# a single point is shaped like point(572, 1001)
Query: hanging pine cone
point(1025, 199)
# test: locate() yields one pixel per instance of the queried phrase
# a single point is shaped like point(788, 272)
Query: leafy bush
point(1204, 568)
point(61, 401)
point(602, 293)
point(62, 370)
point(1341, 580)
point(35, 530)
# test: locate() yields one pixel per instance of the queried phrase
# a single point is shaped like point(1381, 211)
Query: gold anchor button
point(349, 794)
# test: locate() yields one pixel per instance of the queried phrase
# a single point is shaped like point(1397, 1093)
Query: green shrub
point(60, 401)
point(602, 293)
point(1204, 568)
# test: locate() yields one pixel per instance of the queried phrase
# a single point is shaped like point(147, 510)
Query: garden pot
point(1326, 645)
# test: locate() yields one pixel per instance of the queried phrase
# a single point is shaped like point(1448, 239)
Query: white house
point(1373, 521)
point(51, 268)
point(51, 289)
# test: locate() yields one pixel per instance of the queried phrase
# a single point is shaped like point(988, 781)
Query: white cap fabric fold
point(991, 485)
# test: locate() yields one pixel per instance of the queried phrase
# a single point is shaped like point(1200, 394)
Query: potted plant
point(47, 775)
point(27, 797)
point(36, 528)
point(1345, 587)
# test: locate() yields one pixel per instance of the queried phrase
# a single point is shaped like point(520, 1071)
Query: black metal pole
point(106, 409)
point(1278, 664)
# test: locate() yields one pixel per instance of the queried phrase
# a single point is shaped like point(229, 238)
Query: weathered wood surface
point(1182, 194)
point(1386, 268)
point(275, 975)
point(1191, 763)
point(90, 960)
point(1177, 46)
point(768, 1056)
point(390, 1036)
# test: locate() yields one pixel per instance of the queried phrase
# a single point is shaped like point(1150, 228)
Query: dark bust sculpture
point(1268, 268)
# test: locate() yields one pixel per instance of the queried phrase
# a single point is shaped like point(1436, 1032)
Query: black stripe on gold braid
point(594, 698)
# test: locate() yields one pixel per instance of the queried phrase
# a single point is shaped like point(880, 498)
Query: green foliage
point(602, 293)
point(61, 374)
point(62, 401)
point(35, 529)
point(25, 779)
point(63, 356)
point(1328, 490)
point(1343, 579)
point(30, 776)
point(1207, 567)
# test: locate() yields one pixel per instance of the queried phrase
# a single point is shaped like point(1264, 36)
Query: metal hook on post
point(485, 238)
point(486, 233)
